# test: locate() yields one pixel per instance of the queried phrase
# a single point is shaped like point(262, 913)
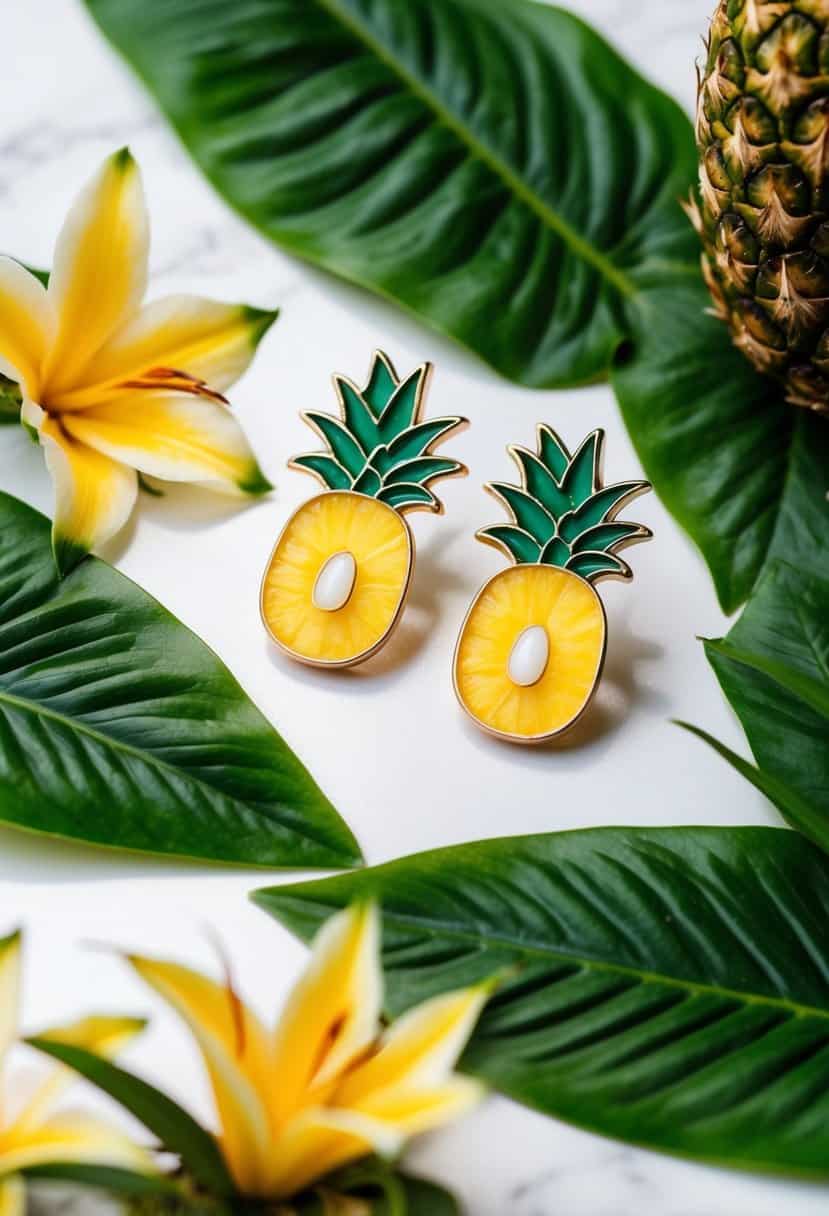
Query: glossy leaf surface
point(495, 168)
point(745, 474)
point(774, 669)
point(119, 727)
point(669, 987)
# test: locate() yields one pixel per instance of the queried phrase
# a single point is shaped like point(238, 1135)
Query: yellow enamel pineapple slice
point(338, 578)
point(530, 652)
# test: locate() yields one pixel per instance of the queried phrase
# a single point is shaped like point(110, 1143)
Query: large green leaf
point(119, 727)
point(774, 669)
point(666, 986)
point(499, 170)
point(745, 474)
point(494, 167)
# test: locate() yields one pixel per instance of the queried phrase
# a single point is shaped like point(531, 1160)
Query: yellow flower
point(112, 387)
point(329, 1085)
point(32, 1133)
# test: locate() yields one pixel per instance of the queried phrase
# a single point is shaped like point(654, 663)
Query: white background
point(387, 742)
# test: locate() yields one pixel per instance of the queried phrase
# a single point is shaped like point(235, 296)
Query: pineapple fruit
point(762, 130)
point(338, 578)
point(531, 650)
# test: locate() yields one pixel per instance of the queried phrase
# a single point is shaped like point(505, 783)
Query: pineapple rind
point(380, 446)
point(561, 513)
point(762, 131)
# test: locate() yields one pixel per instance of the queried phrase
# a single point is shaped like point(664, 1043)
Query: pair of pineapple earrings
point(531, 649)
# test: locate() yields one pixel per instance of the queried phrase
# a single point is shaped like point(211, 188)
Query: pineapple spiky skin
point(564, 537)
point(379, 464)
point(762, 130)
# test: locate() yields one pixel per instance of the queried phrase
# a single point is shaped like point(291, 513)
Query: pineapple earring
point(532, 646)
point(338, 577)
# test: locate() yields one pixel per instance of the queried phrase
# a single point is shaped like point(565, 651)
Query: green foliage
point(665, 986)
point(774, 669)
point(451, 182)
point(120, 727)
point(175, 1129)
point(422, 177)
point(561, 513)
point(380, 446)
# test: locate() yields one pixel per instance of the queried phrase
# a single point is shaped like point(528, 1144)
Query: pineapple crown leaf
point(379, 445)
point(562, 514)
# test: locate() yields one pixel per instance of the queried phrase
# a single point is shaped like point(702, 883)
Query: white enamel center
point(529, 656)
point(335, 581)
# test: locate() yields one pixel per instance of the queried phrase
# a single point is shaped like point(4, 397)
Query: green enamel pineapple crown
point(562, 513)
point(379, 446)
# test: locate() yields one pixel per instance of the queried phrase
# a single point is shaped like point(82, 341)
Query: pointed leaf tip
point(68, 553)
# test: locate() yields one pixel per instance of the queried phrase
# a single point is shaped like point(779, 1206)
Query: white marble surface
point(388, 743)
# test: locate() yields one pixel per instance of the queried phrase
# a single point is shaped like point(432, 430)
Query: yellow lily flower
point(111, 387)
point(33, 1133)
point(329, 1085)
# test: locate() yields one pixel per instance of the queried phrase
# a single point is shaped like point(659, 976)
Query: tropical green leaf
point(451, 182)
point(326, 467)
point(792, 806)
point(120, 727)
point(668, 986)
point(529, 514)
point(517, 542)
point(177, 1131)
point(407, 495)
point(344, 447)
point(774, 669)
point(744, 473)
point(419, 176)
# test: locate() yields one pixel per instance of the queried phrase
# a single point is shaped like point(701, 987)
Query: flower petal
point(332, 1015)
point(10, 948)
point(411, 1111)
point(100, 267)
point(70, 1136)
point(26, 324)
point(13, 1196)
point(319, 1141)
point(172, 436)
point(420, 1049)
point(102, 1035)
point(235, 1048)
point(94, 495)
point(207, 340)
